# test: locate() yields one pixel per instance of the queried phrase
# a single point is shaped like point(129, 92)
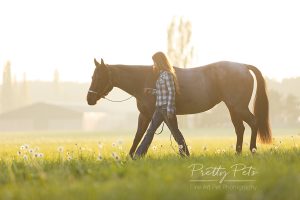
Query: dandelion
point(113, 144)
point(276, 147)
point(204, 148)
point(100, 145)
point(99, 157)
point(40, 155)
point(60, 149)
point(218, 151)
point(81, 148)
point(223, 151)
point(36, 155)
point(253, 150)
point(154, 148)
point(22, 147)
point(31, 151)
point(26, 146)
point(25, 157)
point(19, 153)
point(69, 158)
point(115, 156)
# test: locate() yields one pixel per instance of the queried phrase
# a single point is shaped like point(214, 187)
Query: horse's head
point(101, 83)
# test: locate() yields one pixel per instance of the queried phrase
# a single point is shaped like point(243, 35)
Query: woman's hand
point(148, 90)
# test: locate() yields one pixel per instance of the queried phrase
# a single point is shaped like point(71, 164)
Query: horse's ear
point(96, 62)
point(102, 62)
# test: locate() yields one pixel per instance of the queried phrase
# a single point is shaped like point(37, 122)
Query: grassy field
point(96, 166)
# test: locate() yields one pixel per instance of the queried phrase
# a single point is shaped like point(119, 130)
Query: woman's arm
point(171, 93)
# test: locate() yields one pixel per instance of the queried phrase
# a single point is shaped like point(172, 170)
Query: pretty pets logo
point(235, 173)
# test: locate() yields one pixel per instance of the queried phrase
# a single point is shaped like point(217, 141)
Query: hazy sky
point(39, 36)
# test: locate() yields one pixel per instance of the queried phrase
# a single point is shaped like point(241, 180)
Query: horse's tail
point(261, 107)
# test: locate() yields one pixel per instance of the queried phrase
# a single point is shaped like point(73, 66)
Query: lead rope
point(162, 127)
point(118, 101)
point(171, 144)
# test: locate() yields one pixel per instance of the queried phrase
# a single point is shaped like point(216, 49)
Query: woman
point(166, 88)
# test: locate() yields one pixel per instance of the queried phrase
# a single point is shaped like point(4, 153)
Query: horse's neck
point(130, 79)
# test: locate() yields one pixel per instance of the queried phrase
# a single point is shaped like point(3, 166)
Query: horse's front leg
point(142, 127)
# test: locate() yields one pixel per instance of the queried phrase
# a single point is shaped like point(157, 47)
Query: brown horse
point(201, 89)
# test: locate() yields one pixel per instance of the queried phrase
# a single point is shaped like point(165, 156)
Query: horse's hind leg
point(250, 119)
point(239, 129)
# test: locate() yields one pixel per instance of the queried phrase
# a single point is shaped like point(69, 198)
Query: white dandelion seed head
point(60, 149)
point(81, 148)
point(31, 151)
point(26, 146)
point(113, 144)
point(204, 148)
point(154, 147)
point(223, 150)
point(99, 157)
point(69, 158)
point(115, 156)
point(22, 147)
point(218, 151)
point(36, 155)
point(25, 157)
point(100, 145)
point(40, 155)
point(253, 150)
point(19, 153)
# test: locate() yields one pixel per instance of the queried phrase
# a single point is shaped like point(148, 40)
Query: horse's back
point(204, 87)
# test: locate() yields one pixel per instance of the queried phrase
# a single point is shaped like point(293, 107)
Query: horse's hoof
point(253, 150)
point(238, 153)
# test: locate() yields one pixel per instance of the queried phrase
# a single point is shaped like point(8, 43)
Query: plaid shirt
point(165, 91)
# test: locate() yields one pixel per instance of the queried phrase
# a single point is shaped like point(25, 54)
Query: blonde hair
point(162, 63)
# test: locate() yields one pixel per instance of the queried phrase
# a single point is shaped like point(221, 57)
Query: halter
point(106, 89)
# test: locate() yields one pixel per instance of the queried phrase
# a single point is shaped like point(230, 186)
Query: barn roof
point(41, 110)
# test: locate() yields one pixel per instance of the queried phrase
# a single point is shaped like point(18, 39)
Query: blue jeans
point(159, 116)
